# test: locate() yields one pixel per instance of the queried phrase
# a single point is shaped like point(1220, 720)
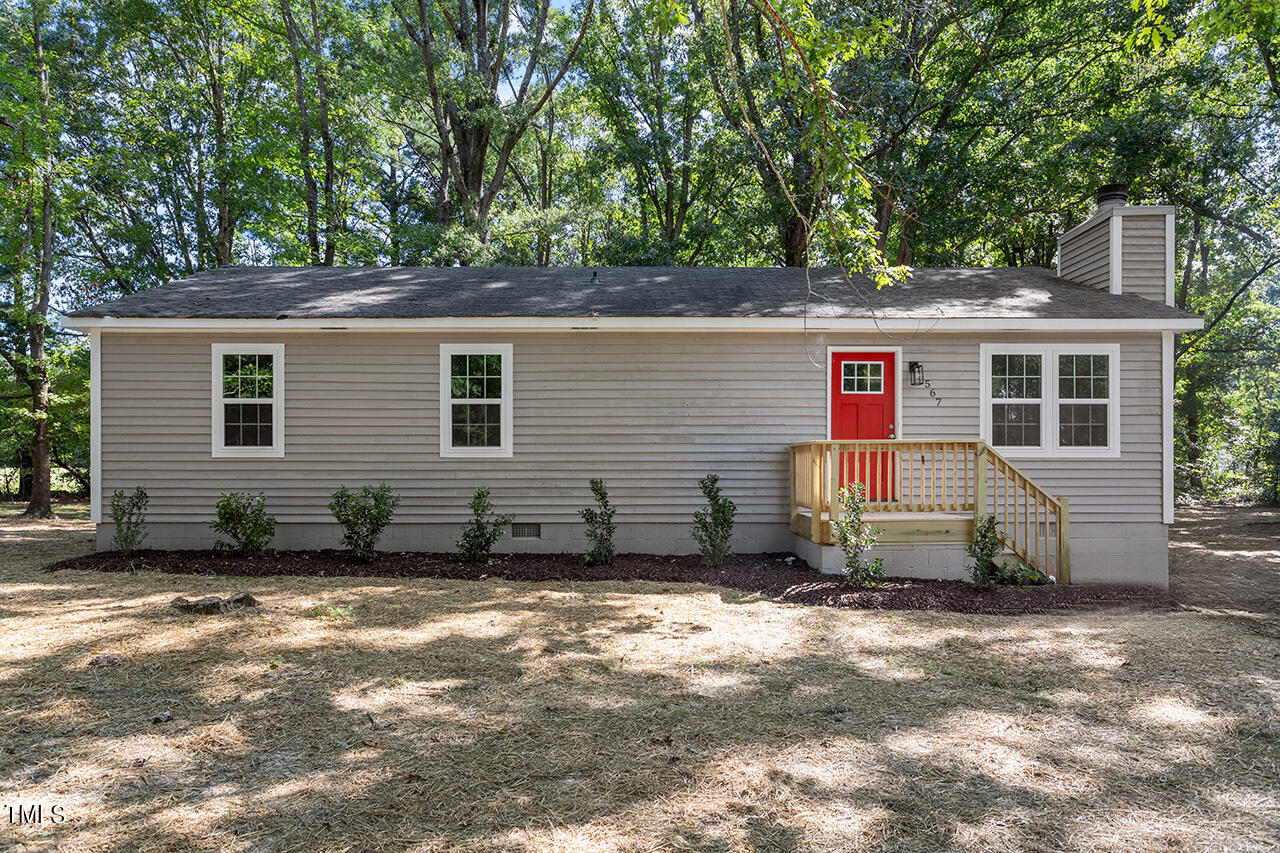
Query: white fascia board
point(1167, 379)
point(641, 324)
point(1115, 264)
point(95, 426)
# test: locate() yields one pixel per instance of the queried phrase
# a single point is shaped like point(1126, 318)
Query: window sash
point(475, 404)
point(236, 418)
point(1069, 426)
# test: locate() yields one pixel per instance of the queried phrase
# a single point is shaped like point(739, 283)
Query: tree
point(468, 62)
point(31, 169)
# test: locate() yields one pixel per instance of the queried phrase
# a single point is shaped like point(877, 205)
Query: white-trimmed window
point(1059, 399)
point(248, 400)
point(475, 400)
point(862, 377)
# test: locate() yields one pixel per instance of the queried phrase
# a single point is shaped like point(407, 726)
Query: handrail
point(935, 475)
point(1043, 544)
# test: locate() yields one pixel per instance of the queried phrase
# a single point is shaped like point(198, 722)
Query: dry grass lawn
point(378, 715)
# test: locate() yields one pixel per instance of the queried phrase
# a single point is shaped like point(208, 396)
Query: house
point(1045, 399)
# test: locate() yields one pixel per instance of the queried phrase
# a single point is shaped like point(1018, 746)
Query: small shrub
point(363, 515)
point(986, 547)
point(855, 536)
point(129, 515)
point(600, 526)
point(713, 526)
point(483, 530)
point(243, 519)
point(1020, 574)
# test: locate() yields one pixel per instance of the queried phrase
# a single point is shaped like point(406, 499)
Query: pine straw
point(421, 714)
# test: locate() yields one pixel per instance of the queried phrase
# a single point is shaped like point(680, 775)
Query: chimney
point(1112, 195)
point(1122, 248)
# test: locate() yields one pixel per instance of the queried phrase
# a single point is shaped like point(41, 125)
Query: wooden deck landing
point(900, 528)
point(925, 491)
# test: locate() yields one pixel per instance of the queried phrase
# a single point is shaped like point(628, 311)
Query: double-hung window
point(1058, 399)
point(248, 400)
point(475, 400)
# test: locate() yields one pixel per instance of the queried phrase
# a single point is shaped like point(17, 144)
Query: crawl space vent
point(526, 530)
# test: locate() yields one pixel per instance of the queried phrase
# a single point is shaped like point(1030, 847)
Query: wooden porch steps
point(900, 528)
point(935, 493)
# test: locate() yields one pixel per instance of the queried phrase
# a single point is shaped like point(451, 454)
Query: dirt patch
point(1226, 558)
point(427, 714)
point(782, 577)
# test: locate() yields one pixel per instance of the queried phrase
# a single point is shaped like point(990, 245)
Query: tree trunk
point(794, 235)
point(1191, 405)
point(393, 213)
point(225, 239)
point(24, 475)
point(41, 501)
point(326, 142)
point(304, 135)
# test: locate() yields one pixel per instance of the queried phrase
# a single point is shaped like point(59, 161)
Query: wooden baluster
point(795, 490)
point(1042, 533)
point(1039, 536)
point(954, 483)
point(979, 480)
point(858, 469)
point(873, 473)
point(1026, 512)
point(922, 504)
point(911, 479)
point(1064, 540)
point(834, 461)
point(933, 478)
point(1013, 533)
point(815, 495)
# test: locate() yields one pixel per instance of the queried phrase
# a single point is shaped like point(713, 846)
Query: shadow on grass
point(496, 715)
point(1226, 559)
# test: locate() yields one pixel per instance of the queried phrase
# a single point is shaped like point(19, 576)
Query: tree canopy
point(144, 140)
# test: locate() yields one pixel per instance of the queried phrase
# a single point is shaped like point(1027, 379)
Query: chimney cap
point(1112, 195)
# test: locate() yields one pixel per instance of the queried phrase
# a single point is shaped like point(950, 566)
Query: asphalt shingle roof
point(423, 292)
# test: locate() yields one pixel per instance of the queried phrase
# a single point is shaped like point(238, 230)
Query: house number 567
point(932, 392)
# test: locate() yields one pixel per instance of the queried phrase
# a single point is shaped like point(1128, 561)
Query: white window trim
point(506, 450)
point(276, 450)
point(869, 377)
point(1049, 401)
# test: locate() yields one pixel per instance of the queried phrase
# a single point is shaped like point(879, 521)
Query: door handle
point(891, 435)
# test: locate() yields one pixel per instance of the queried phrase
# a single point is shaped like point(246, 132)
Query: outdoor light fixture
point(917, 372)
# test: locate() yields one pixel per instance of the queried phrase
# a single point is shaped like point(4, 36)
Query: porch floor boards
point(899, 528)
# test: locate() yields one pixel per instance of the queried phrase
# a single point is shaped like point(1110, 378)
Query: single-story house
point(1042, 398)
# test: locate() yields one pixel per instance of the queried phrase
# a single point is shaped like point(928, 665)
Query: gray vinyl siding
point(650, 413)
point(1086, 257)
point(1142, 260)
point(1128, 489)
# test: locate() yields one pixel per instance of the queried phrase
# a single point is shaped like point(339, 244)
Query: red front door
point(864, 402)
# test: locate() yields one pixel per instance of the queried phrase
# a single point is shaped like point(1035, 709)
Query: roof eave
point(629, 324)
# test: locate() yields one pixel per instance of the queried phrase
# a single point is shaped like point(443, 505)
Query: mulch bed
point(782, 577)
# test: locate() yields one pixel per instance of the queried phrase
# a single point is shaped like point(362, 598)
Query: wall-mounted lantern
point(917, 372)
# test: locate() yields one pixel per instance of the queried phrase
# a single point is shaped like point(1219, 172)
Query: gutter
point(1188, 323)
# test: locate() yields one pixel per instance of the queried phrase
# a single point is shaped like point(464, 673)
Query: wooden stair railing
point(1035, 525)
point(937, 476)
